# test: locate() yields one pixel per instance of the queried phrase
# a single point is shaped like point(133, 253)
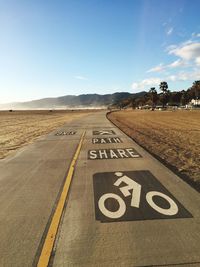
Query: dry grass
point(21, 127)
point(173, 136)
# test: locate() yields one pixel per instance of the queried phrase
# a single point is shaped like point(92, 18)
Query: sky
point(71, 47)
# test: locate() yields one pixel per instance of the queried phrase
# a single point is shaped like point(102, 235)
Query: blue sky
point(54, 48)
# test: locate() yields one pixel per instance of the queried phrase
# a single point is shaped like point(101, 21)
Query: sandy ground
point(174, 136)
point(19, 128)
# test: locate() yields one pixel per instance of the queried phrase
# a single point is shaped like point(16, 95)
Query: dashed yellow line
point(53, 228)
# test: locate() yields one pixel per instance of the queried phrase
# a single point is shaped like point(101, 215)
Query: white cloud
point(177, 63)
point(158, 68)
point(197, 60)
point(174, 46)
point(185, 76)
point(170, 47)
point(187, 42)
point(170, 31)
point(144, 84)
point(188, 55)
point(172, 78)
point(194, 34)
point(81, 78)
point(189, 51)
point(155, 81)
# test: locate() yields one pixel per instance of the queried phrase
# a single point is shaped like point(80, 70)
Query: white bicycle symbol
point(135, 201)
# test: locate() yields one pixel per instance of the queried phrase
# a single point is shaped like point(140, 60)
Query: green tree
point(165, 93)
point(175, 98)
point(184, 98)
point(154, 96)
point(196, 87)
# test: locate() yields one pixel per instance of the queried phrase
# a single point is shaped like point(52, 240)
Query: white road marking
point(103, 153)
point(117, 140)
point(106, 140)
point(112, 153)
point(131, 185)
point(93, 154)
point(122, 153)
point(172, 210)
point(112, 214)
point(105, 132)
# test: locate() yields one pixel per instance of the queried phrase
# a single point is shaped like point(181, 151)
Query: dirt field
point(21, 127)
point(173, 136)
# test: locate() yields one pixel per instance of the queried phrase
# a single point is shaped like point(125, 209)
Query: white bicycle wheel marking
point(172, 210)
point(112, 214)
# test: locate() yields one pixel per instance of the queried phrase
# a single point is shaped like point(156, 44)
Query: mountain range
point(72, 101)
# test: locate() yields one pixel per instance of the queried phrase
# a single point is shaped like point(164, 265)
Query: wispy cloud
point(170, 31)
point(170, 47)
point(175, 64)
point(168, 27)
point(178, 63)
point(197, 35)
point(158, 68)
point(81, 78)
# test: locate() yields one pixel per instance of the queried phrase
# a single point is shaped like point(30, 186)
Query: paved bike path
point(125, 208)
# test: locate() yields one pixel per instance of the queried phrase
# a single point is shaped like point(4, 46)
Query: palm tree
point(154, 96)
point(165, 92)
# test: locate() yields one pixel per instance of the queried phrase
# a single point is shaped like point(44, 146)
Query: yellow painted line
point(53, 228)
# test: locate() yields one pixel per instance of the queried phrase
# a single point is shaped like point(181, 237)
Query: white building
point(195, 102)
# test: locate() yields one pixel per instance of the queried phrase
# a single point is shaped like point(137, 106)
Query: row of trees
point(166, 97)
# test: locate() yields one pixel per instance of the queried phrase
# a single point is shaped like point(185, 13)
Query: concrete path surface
point(124, 208)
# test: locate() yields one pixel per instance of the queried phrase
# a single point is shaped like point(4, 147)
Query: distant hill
point(72, 101)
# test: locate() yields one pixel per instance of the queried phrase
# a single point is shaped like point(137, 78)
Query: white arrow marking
point(105, 132)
